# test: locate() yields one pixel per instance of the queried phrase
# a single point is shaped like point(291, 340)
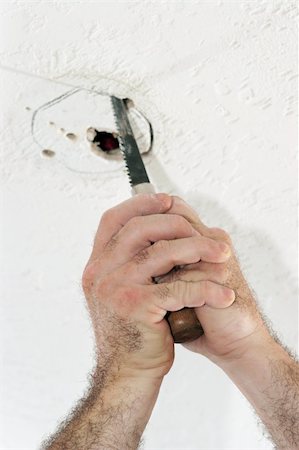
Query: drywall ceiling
point(217, 81)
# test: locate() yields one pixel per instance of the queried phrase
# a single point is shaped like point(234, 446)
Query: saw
point(184, 324)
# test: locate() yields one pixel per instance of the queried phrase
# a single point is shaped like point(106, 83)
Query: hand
point(228, 332)
point(127, 308)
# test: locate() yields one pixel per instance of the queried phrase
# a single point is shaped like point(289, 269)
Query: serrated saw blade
point(128, 145)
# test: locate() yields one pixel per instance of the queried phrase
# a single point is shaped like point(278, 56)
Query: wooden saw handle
point(184, 323)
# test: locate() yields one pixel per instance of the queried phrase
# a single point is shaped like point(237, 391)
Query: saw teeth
point(128, 173)
point(121, 146)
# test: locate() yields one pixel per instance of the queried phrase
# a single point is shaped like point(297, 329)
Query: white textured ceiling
point(217, 80)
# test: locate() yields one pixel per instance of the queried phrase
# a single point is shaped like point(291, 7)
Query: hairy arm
point(239, 340)
point(269, 378)
point(136, 241)
point(112, 416)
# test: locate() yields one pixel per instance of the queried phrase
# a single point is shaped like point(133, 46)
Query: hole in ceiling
point(104, 140)
point(48, 153)
point(71, 136)
point(81, 142)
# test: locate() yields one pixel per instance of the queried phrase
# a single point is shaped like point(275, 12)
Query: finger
point(179, 294)
point(140, 232)
point(179, 206)
point(115, 218)
point(136, 235)
point(219, 234)
point(205, 271)
point(162, 256)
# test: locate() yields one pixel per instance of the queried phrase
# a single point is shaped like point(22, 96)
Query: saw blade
point(135, 168)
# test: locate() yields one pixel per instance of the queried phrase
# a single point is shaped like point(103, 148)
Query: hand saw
point(184, 323)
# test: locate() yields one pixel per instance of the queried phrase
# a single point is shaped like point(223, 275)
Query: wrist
point(130, 380)
point(139, 384)
point(108, 369)
point(123, 393)
point(257, 352)
point(267, 376)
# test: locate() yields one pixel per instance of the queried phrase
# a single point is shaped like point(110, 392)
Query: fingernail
point(195, 232)
point(165, 199)
point(225, 248)
point(231, 296)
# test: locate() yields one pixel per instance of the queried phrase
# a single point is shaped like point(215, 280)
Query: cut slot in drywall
point(79, 130)
point(103, 141)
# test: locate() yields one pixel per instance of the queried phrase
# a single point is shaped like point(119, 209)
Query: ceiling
point(217, 81)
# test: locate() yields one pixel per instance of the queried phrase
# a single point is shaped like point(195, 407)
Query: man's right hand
point(229, 332)
point(238, 340)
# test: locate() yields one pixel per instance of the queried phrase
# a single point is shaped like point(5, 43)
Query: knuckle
point(166, 248)
point(108, 216)
point(135, 226)
point(111, 244)
point(174, 275)
point(180, 289)
point(88, 277)
point(141, 256)
point(181, 223)
point(163, 291)
point(180, 220)
point(205, 286)
point(134, 222)
point(162, 246)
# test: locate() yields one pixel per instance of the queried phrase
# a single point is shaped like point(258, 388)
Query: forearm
point(111, 417)
point(269, 379)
